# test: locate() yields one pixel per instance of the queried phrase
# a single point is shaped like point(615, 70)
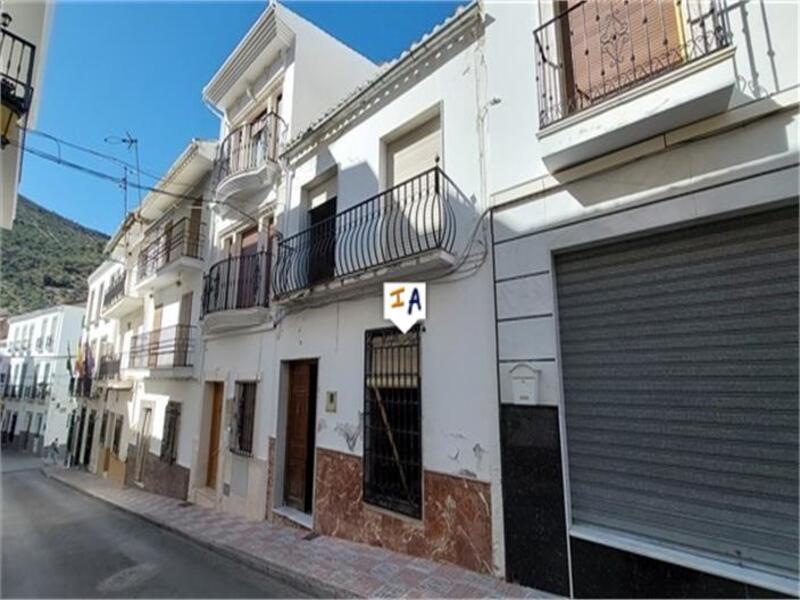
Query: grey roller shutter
point(680, 369)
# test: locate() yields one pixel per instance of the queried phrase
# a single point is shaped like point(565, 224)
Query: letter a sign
point(404, 304)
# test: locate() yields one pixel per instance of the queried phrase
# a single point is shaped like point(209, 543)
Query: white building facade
point(36, 399)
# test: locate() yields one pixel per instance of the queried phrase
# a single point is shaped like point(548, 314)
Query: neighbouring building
point(602, 199)
point(36, 399)
point(24, 36)
point(644, 177)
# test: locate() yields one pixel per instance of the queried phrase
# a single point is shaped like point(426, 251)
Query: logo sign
point(404, 304)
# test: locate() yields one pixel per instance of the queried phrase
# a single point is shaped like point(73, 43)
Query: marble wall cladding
point(157, 476)
point(270, 477)
point(456, 523)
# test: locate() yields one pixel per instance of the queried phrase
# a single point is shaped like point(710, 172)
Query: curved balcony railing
point(411, 218)
point(237, 282)
point(250, 146)
point(596, 49)
point(116, 289)
point(165, 348)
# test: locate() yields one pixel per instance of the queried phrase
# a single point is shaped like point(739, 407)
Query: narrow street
point(57, 542)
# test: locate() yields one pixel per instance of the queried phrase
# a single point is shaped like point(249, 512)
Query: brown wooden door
point(167, 253)
point(182, 331)
point(154, 338)
point(247, 276)
point(610, 45)
point(213, 436)
point(195, 220)
point(299, 436)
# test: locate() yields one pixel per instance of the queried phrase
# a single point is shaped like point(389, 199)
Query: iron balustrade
point(116, 289)
point(595, 49)
point(108, 367)
point(49, 342)
point(16, 78)
point(250, 146)
point(165, 348)
point(80, 387)
point(39, 344)
point(180, 239)
point(407, 220)
point(238, 282)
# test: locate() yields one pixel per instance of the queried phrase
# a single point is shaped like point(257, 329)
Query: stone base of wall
point(157, 476)
point(116, 470)
point(456, 523)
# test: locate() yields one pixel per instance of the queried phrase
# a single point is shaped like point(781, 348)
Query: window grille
point(169, 442)
point(393, 421)
point(243, 418)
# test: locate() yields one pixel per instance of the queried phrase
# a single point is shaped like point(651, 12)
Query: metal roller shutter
point(415, 152)
point(680, 369)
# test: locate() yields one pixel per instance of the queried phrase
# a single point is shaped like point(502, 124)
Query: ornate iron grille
point(108, 367)
point(169, 443)
point(116, 289)
point(237, 282)
point(168, 347)
point(594, 49)
point(393, 421)
point(244, 419)
point(411, 218)
point(250, 146)
point(175, 241)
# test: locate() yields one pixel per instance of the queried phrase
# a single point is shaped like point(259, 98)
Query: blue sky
point(118, 66)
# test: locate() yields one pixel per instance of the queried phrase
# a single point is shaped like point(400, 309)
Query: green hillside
point(45, 259)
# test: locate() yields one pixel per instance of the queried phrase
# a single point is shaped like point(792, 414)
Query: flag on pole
point(79, 362)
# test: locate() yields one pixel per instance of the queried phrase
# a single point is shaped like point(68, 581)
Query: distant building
point(36, 401)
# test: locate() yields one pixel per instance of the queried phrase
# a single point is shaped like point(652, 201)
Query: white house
point(37, 402)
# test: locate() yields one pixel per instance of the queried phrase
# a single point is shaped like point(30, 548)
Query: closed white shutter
point(415, 152)
point(680, 369)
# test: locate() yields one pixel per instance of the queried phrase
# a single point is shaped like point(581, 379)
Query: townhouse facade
point(36, 400)
point(602, 400)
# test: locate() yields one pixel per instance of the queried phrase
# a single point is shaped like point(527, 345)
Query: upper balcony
point(119, 299)
point(236, 292)
point(165, 353)
point(407, 230)
point(611, 73)
point(247, 159)
point(162, 259)
point(16, 77)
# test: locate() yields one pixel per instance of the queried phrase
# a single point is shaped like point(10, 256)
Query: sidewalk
point(322, 566)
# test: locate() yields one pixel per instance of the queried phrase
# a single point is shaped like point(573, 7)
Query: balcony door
point(611, 45)
point(183, 331)
point(154, 338)
point(247, 274)
point(321, 238)
point(195, 222)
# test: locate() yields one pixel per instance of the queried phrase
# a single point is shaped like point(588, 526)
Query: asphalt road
point(57, 542)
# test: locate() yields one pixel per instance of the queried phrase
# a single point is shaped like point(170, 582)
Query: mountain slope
point(45, 259)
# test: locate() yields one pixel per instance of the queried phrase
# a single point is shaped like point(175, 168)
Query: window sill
point(388, 512)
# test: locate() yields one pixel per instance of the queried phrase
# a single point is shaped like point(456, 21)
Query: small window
point(392, 421)
point(243, 418)
point(118, 421)
point(169, 443)
point(103, 425)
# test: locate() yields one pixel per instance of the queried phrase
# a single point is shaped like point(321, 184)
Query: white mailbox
point(524, 384)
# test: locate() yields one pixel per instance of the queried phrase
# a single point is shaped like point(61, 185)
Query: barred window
point(243, 418)
point(169, 441)
point(393, 421)
point(118, 421)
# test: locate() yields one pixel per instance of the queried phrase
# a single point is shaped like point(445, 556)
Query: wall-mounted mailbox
point(524, 384)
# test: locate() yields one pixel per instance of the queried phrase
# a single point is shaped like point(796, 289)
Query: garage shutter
point(680, 369)
point(415, 152)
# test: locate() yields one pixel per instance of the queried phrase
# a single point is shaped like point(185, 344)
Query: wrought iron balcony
point(12, 391)
point(237, 282)
point(80, 387)
point(166, 348)
point(49, 343)
point(116, 289)
point(595, 49)
point(178, 240)
point(108, 367)
point(410, 219)
point(250, 146)
point(16, 71)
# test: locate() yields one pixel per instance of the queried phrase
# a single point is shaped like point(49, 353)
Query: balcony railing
point(108, 367)
point(80, 387)
point(596, 49)
point(250, 146)
point(39, 344)
point(166, 348)
point(180, 239)
point(238, 282)
point(16, 71)
point(409, 219)
point(116, 289)
point(49, 343)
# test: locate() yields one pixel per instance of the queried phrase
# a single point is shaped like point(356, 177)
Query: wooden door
point(144, 442)
point(195, 221)
point(182, 331)
point(609, 46)
point(166, 248)
point(300, 436)
point(213, 436)
point(155, 337)
point(247, 276)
